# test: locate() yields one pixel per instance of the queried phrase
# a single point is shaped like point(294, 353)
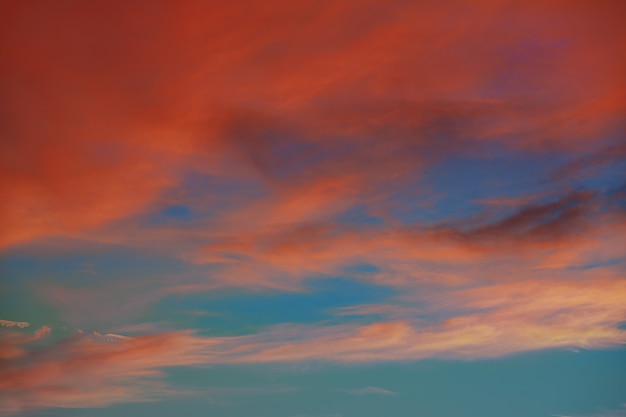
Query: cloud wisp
point(370, 391)
point(96, 370)
point(9, 323)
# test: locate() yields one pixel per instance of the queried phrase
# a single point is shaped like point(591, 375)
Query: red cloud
point(322, 107)
point(99, 122)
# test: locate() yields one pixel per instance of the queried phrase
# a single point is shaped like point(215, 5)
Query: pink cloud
point(548, 241)
point(103, 127)
point(11, 342)
point(488, 321)
point(117, 129)
point(94, 371)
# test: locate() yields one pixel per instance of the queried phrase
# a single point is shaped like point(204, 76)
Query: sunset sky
point(313, 208)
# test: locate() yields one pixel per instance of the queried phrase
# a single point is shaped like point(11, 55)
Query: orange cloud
point(94, 371)
point(548, 241)
point(10, 346)
point(99, 123)
point(550, 322)
point(320, 107)
point(575, 230)
point(483, 322)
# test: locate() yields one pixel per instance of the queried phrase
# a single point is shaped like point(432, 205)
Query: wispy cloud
point(336, 94)
point(319, 415)
point(9, 323)
point(11, 344)
point(370, 391)
point(96, 370)
point(301, 149)
point(602, 413)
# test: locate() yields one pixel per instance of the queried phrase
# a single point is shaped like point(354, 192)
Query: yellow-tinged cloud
point(491, 321)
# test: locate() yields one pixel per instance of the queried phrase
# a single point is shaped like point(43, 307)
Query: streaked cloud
point(11, 342)
point(111, 152)
point(464, 160)
point(370, 391)
point(604, 413)
point(9, 323)
point(96, 370)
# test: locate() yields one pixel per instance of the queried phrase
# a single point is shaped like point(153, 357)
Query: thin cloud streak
point(9, 323)
point(97, 370)
point(370, 391)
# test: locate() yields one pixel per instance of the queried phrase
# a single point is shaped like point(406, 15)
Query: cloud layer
point(97, 370)
point(467, 158)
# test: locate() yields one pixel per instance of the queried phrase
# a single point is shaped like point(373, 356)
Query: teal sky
point(313, 209)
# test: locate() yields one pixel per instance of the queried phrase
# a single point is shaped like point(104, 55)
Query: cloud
point(572, 230)
point(11, 342)
point(539, 223)
point(489, 321)
point(370, 391)
point(339, 113)
point(587, 166)
point(319, 415)
point(275, 137)
point(94, 370)
point(392, 311)
point(298, 135)
point(578, 235)
point(604, 413)
point(9, 323)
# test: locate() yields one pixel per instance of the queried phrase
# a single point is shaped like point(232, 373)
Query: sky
point(313, 208)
